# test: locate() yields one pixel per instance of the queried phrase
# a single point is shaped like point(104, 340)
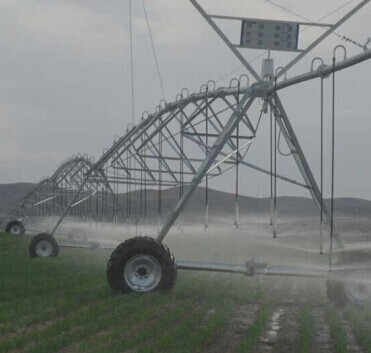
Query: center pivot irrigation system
point(45, 203)
point(200, 136)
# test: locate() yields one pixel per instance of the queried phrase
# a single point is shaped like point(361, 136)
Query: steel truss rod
point(313, 24)
point(235, 118)
point(201, 110)
point(139, 158)
point(44, 201)
point(278, 176)
point(174, 172)
point(84, 199)
point(214, 115)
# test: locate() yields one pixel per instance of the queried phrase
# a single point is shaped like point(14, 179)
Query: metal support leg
point(235, 118)
point(298, 154)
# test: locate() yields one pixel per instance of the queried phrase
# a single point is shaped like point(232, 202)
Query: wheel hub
point(142, 273)
point(15, 229)
point(358, 290)
point(44, 249)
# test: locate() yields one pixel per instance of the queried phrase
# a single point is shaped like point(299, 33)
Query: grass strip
point(169, 340)
point(29, 312)
point(111, 309)
point(116, 342)
point(306, 330)
point(360, 324)
point(127, 315)
point(337, 331)
point(197, 338)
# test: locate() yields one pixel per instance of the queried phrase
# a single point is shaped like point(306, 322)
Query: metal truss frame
point(51, 195)
point(198, 137)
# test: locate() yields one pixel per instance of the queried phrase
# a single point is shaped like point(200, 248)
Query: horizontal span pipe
point(287, 271)
point(292, 271)
point(92, 246)
point(211, 267)
point(323, 71)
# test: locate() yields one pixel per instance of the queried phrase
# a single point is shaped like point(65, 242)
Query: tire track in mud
point(227, 341)
point(269, 338)
point(288, 333)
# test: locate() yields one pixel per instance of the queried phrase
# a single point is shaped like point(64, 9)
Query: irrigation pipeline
point(237, 206)
point(275, 163)
point(332, 163)
point(323, 71)
point(321, 167)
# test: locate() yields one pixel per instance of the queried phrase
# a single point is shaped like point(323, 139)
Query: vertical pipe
point(236, 199)
point(332, 162)
point(206, 154)
point(321, 206)
point(181, 169)
point(159, 197)
point(116, 192)
point(271, 164)
point(275, 163)
point(141, 190)
point(128, 190)
point(145, 187)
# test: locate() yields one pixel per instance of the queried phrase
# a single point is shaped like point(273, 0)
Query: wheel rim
point(15, 229)
point(358, 290)
point(142, 273)
point(44, 248)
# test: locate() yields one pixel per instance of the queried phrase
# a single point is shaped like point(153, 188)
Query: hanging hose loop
point(340, 46)
point(322, 63)
point(281, 69)
point(203, 88)
point(145, 115)
point(244, 76)
point(231, 82)
point(186, 90)
point(211, 85)
point(279, 148)
point(162, 104)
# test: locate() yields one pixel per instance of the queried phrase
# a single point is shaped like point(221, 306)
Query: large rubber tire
point(15, 228)
point(77, 234)
point(141, 264)
point(43, 245)
point(350, 287)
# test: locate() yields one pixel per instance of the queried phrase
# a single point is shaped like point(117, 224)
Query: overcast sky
point(65, 78)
